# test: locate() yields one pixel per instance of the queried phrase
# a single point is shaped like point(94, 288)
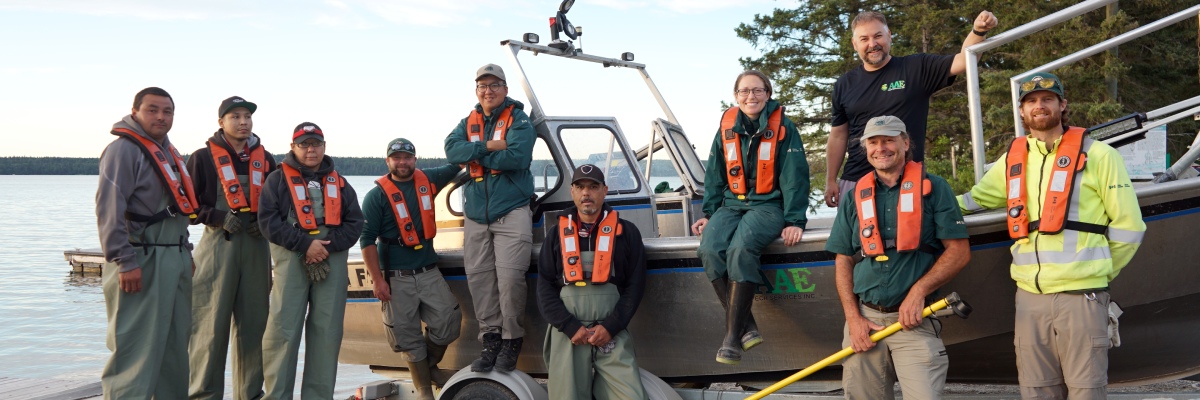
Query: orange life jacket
point(734, 171)
point(425, 191)
point(475, 134)
point(605, 240)
point(1068, 165)
point(182, 192)
point(235, 194)
point(331, 186)
point(913, 188)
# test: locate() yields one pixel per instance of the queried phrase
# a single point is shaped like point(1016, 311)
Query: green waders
point(579, 372)
point(232, 282)
point(734, 239)
point(292, 298)
point(148, 330)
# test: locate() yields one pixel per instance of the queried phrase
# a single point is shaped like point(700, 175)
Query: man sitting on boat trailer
point(592, 273)
point(898, 236)
point(1067, 249)
point(755, 191)
point(397, 247)
point(143, 204)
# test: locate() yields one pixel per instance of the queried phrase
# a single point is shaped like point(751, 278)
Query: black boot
point(487, 357)
point(509, 351)
point(420, 377)
point(741, 295)
point(750, 336)
point(435, 354)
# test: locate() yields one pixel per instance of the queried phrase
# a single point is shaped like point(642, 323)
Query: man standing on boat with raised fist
point(143, 204)
point(898, 236)
point(1076, 221)
point(496, 143)
point(233, 260)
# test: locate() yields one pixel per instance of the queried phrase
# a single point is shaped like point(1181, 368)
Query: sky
point(366, 71)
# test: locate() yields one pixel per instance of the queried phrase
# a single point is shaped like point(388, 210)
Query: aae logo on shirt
point(897, 85)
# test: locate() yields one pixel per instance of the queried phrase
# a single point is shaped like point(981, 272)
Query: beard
point(1042, 125)
point(866, 56)
point(402, 173)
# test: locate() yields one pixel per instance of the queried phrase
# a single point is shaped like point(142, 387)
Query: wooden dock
point(85, 261)
point(47, 389)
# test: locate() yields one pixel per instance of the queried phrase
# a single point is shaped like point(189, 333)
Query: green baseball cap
point(886, 125)
point(1041, 81)
point(401, 144)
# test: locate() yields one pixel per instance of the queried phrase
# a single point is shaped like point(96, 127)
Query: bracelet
point(978, 33)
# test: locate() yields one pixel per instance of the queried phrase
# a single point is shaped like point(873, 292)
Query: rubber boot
point(750, 335)
point(419, 371)
point(487, 357)
point(509, 351)
point(435, 354)
point(741, 295)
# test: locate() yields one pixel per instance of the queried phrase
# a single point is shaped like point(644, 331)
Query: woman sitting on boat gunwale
point(755, 190)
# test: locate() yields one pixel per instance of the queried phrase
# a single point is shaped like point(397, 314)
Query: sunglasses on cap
point(1044, 83)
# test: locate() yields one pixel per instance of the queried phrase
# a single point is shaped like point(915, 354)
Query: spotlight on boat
point(560, 24)
point(1118, 127)
point(530, 38)
point(627, 56)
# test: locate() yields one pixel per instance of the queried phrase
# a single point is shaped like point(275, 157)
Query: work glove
point(253, 230)
point(233, 224)
point(317, 271)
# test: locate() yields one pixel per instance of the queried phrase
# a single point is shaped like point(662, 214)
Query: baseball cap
point(490, 69)
point(587, 171)
point(234, 102)
point(886, 125)
point(1041, 81)
point(401, 144)
point(305, 131)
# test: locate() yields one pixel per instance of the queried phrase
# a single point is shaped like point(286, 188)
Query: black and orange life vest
point(331, 186)
point(235, 194)
point(734, 170)
point(475, 134)
point(913, 188)
point(166, 163)
point(425, 191)
point(605, 239)
point(1070, 159)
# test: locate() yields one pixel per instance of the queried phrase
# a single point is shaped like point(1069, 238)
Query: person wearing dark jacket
point(592, 274)
point(496, 141)
point(310, 214)
point(142, 210)
point(233, 260)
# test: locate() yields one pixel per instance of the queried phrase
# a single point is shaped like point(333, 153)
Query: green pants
point(581, 372)
point(317, 309)
point(232, 283)
point(734, 239)
point(148, 330)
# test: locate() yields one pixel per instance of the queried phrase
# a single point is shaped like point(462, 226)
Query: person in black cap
point(233, 261)
point(398, 251)
point(592, 273)
point(310, 215)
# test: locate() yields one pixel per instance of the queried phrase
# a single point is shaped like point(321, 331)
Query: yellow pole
point(940, 304)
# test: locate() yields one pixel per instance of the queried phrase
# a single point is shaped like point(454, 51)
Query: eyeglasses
point(307, 144)
point(495, 87)
point(746, 92)
point(1044, 83)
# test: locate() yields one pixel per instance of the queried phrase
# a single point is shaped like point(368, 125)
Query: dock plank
point(25, 388)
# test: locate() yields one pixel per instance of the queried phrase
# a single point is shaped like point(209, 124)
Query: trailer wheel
point(484, 390)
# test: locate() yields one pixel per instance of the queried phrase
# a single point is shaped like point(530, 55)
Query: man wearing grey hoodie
point(143, 204)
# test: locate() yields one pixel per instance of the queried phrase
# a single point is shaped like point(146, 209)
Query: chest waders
point(299, 304)
point(577, 367)
point(231, 287)
point(148, 330)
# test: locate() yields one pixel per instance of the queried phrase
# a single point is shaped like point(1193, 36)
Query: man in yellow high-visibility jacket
point(1076, 221)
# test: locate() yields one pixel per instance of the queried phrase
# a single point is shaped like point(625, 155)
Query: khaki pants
point(581, 372)
point(917, 358)
point(1062, 345)
point(497, 256)
point(415, 298)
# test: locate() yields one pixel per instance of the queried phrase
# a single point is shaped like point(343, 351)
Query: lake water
point(53, 324)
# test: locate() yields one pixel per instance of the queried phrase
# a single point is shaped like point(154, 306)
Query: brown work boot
point(510, 349)
point(487, 357)
point(436, 353)
point(419, 371)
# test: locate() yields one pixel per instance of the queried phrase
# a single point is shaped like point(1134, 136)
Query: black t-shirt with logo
point(901, 89)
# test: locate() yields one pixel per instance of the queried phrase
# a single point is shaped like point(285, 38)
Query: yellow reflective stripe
point(1125, 235)
point(1060, 257)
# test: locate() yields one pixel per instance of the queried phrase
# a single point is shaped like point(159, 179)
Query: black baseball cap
point(235, 102)
point(588, 171)
point(305, 131)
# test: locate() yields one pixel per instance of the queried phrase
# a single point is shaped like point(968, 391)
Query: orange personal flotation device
point(914, 186)
point(1068, 165)
point(475, 134)
point(235, 194)
point(166, 163)
point(734, 170)
point(425, 191)
point(331, 187)
point(573, 273)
